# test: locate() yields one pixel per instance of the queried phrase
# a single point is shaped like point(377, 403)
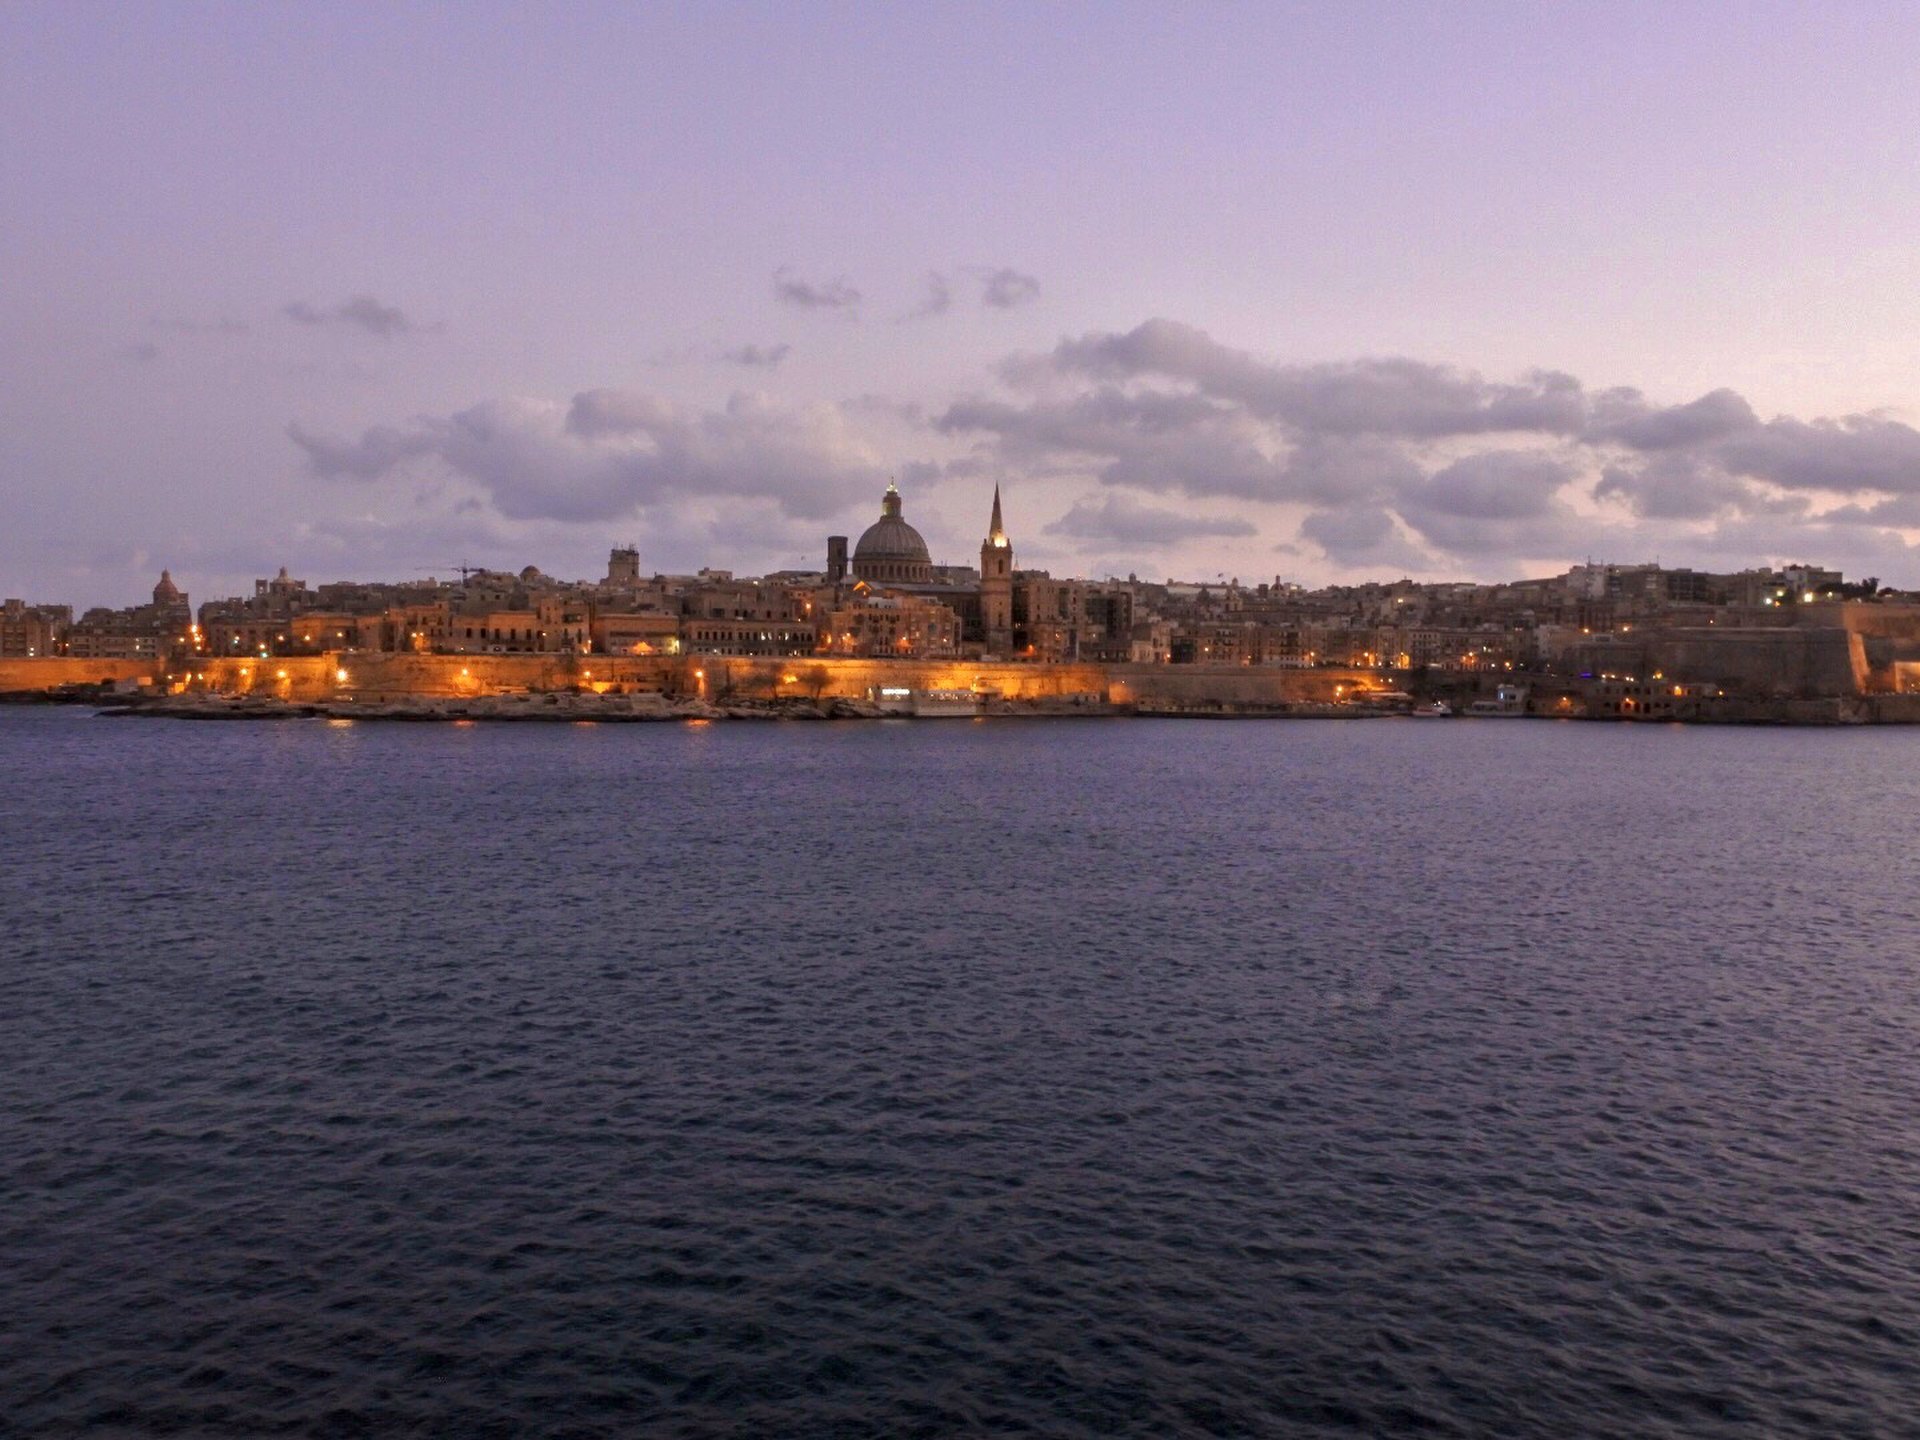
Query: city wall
point(373, 676)
point(51, 672)
point(1794, 662)
point(1800, 661)
point(1888, 637)
point(379, 676)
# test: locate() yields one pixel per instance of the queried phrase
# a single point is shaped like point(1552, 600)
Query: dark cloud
point(758, 357)
point(1129, 521)
point(361, 312)
point(1005, 289)
point(835, 296)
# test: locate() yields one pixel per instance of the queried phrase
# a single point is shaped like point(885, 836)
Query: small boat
point(1432, 710)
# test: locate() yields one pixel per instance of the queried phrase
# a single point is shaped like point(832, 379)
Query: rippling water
point(1072, 1078)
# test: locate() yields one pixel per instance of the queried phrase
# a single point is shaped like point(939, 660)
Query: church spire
point(996, 586)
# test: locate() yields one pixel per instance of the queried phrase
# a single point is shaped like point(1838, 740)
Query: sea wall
point(51, 672)
point(376, 676)
point(1198, 685)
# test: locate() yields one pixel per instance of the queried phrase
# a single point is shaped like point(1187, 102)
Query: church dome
point(891, 549)
point(166, 592)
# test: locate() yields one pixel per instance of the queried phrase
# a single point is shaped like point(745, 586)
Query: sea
point(1077, 1078)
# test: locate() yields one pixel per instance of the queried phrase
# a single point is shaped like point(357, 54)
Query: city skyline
point(886, 596)
point(1450, 293)
point(953, 569)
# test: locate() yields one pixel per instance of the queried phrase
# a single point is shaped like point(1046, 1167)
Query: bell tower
point(996, 585)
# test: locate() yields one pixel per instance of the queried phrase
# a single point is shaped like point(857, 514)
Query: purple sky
point(1320, 292)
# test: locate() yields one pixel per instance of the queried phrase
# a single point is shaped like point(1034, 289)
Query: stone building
point(30, 631)
point(141, 631)
point(868, 623)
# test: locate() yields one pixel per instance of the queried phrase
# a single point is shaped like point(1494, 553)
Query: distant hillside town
point(885, 597)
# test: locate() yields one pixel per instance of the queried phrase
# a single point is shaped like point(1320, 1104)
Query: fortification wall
point(1119, 684)
point(1797, 662)
point(757, 678)
point(1891, 621)
point(1889, 637)
point(372, 675)
point(1232, 684)
point(375, 676)
point(51, 672)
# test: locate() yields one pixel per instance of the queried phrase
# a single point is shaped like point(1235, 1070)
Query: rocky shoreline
point(577, 707)
point(550, 708)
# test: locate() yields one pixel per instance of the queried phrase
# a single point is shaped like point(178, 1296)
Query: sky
point(1318, 293)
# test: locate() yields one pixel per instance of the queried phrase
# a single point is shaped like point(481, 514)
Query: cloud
point(1005, 289)
point(1128, 520)
point(835, 296)
point(758, 357)
point(1398, 460)
point(1332, 469)
point(1902, 511)
point(1163, 436)
point(1391, 397)
point(1154, 440)
point(1502, 502)
point(1497, 485)
point(1624, 416)
point(937, 301)
point(1365, 538)
point(362, 312)
point(1853, 453)
point(1677, 487)
point(375, 453)
point(609, 454)
point(143, 353)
